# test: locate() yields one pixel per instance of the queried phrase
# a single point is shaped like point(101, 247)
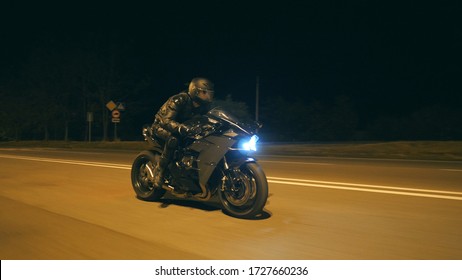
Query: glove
point(186, 130)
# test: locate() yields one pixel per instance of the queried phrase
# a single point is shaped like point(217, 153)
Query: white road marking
point(75, 162)
point(287, 181)
point(361, 185)
point(295, 162)
point(367, 190)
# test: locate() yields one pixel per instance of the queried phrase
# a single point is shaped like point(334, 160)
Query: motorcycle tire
point(248, 196)
point(141, 176)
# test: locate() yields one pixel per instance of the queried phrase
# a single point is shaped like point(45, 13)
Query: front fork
point(232, 175)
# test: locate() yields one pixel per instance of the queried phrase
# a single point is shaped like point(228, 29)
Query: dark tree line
point(340, 119)
point(48, 95)
point(352, 72)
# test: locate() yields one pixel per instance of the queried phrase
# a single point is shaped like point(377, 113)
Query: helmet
point(201, 90)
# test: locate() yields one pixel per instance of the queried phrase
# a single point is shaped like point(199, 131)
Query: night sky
point(384, 55)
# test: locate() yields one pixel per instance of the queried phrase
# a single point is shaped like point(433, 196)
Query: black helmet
point(201, 90)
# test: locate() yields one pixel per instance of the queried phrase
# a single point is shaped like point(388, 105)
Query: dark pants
point(168, 141)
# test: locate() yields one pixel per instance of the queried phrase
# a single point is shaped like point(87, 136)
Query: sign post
point(115, 120)
point(115, 109)
point(89, 120)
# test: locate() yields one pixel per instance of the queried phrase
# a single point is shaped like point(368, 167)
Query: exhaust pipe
point(204, 195)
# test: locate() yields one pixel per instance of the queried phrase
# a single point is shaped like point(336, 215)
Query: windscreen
point(219, 113)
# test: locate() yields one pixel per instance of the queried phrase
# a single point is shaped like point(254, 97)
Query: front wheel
point(142, 175)
point(245, 191)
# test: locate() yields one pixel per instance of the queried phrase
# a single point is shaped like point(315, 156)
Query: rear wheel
point(142, 174)
point(245, 191)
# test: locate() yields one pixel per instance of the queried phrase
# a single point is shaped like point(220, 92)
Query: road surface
point(77, 204)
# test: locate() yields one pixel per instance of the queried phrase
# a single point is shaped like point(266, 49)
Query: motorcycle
point(216, 161)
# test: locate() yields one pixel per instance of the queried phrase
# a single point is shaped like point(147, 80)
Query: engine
point(185, 176)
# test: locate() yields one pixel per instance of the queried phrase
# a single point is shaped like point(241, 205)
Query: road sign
point(121, 106)
point(111, 105)
point(89, 116)
point(116, 114)
point(116, 120)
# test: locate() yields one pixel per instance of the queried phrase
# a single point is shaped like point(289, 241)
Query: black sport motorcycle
point(215, 161)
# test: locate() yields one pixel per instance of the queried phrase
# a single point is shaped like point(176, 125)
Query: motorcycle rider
point(168, 125)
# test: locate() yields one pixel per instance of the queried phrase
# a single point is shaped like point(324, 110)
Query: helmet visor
point(206, 94)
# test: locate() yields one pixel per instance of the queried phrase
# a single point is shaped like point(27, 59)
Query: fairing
point(211, 149)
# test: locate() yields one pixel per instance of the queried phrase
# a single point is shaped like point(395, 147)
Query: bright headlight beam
point(251, 145)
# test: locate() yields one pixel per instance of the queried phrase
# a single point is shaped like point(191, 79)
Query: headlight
point(250, 145)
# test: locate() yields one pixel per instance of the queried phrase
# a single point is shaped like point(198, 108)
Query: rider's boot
point(165, 158)
point(158, 179)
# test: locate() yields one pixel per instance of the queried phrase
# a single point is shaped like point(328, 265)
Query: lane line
point(281, 180)
point(75, 162)
point(363, 185)
point(366, 190)
point(295, 162)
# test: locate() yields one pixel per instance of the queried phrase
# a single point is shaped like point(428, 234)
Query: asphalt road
point(65, 204)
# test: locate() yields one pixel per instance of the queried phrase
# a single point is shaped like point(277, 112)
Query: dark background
point(328, 70)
